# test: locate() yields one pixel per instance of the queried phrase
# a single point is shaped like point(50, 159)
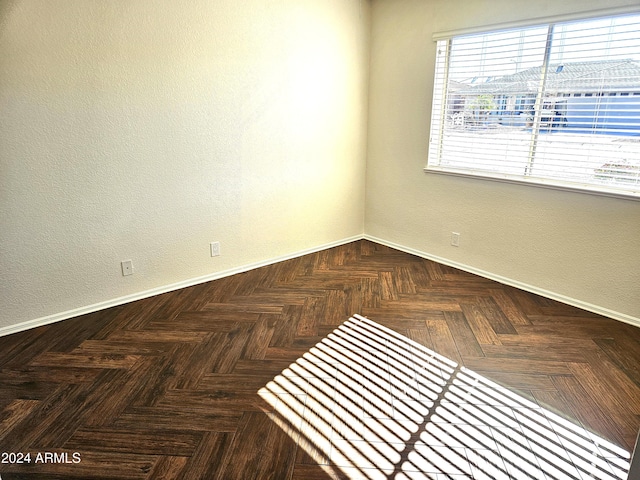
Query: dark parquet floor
point(167, 387)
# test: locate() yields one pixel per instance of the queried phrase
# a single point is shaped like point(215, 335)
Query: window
point(555, 104)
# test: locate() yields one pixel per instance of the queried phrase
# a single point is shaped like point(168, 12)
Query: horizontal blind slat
point(491, 113)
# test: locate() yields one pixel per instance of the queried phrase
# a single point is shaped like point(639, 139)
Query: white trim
point(531, 22)
point(590, 189)
point(38, 322)
point(623, 317)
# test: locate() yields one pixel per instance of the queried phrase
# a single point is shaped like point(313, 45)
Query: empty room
point(319, 239)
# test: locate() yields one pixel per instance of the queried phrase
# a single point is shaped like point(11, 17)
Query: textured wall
point(582, 247)
point(145, 129)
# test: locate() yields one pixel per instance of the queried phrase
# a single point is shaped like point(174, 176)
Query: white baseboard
point(38, 322)
point(513, 283)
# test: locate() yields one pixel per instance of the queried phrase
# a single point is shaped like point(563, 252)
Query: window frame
point(594, 188)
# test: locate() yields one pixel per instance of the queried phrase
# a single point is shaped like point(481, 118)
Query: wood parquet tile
point(167, 387)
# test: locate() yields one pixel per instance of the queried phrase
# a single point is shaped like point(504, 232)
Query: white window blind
point(555, 104)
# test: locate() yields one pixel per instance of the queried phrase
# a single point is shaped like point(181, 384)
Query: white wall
point(145, 129)
point(577, 247)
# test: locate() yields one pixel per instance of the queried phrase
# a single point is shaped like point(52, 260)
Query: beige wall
point(145, 129)
point(572, 246)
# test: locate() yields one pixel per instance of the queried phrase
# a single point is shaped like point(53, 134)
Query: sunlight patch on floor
point(372, 404)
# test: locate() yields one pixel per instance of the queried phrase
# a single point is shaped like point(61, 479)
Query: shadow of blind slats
point(368, 403)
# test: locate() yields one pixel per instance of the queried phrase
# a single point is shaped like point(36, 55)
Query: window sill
point(539, 183)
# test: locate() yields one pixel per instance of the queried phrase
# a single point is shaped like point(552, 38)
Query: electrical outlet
point(127, 267)
point(215, 249)
point(455, 239)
